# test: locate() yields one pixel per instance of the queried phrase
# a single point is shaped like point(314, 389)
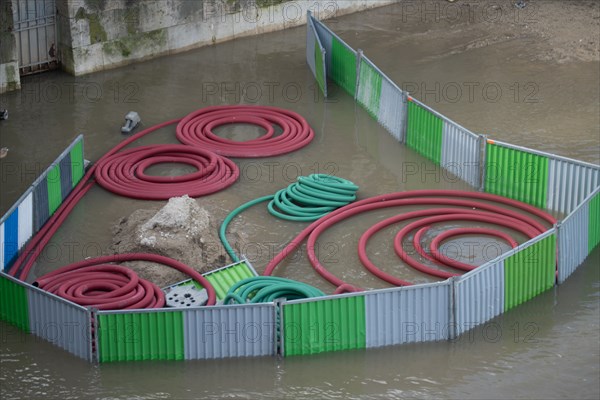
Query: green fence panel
point(343, 66)
point(424, 132)
point(140, 336)
point(327, 325)
point(529, 272)
point(14, 307)
point(369, 88)
point(54, 189)
point(225, 278)
point(594, 225)
point(77, 163)
point(516, 174)
point(320, 68)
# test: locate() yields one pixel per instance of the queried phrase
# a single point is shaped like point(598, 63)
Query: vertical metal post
point(359, 56)
point(482, 162)
point(404, 127)
point(558, 228)
point(94, 336)
point(453, 326)
point(324, 57)
point(279, 334)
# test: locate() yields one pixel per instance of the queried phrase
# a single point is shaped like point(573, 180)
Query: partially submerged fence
point(39, 202)
point(566, 186)
point(419, 313)
point(52, 318)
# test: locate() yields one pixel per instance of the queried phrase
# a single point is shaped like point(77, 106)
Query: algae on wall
point(97, 32)
point(124, 31)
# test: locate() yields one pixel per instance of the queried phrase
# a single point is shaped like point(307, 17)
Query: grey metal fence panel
point(60, 322)
point(392, 109)
point(41, 212)
point(311, 37)
point(479, 296)
point(461, 153)
point(229, 331)
point(573, 241)
point(410, 314)
point(569, 183)
point(326, 38)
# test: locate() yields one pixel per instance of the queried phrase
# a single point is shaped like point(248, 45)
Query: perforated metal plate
point(186, 296)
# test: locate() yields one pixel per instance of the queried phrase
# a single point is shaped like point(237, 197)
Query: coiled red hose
point(471, 205)
point(95, 283)
point(123, 173)
point(197, 130)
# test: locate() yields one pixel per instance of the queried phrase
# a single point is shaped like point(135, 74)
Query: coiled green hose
point(266, 289)
point(308, 199)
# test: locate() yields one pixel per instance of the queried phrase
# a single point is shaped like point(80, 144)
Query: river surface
point(546, 348)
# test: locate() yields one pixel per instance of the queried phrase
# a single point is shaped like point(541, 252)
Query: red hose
point(123, 173)
point(197, 130)
point(445, 260)
point(95, 283)
point(434, 247)
point(494, 214)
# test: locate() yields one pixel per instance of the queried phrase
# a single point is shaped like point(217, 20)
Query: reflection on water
point(545, 348)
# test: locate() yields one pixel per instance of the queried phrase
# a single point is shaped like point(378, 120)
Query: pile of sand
point(181, 230)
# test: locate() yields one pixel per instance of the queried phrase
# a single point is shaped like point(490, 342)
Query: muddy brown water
point(546, 348)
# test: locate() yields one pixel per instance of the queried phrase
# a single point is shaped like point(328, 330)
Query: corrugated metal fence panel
point(594, 224)
point(479, 296)
point(230, 331)
point(14, 308)
point(224, 278)
point(311, 39)
point(530, 271)
point(424, 132)
point(25, 220)
point(66, 182)
point(569, 183)
point(41, 209)
point(369, 88)
point(343, 66)
point(320, 69)
point(411, 314)
point(317, 326)
point(15, 230)
point(10, 239)
point(461, 153)
point(77, 161)
point(60, 322)
point(53, 182)
point(392, 109)
point(516, 174)
point(143, 335)
point(326, 38)
point(573, 242)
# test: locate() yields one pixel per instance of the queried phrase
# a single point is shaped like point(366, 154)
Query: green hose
point(266, 289)
point(306, 200)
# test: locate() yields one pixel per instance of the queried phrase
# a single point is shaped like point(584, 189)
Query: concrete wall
point(101, 34)
point(9, 66)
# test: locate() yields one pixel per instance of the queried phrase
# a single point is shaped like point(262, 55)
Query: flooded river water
point(546, 348)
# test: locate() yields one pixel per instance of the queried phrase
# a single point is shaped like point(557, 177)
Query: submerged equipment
point(132, 120)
